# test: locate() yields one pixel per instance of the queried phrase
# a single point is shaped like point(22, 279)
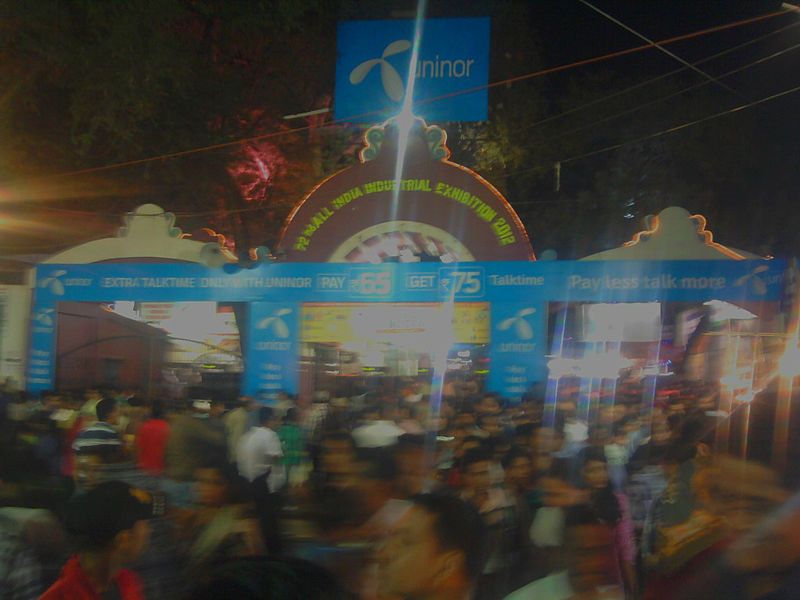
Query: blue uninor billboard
point(517, 293)
point(451, 73)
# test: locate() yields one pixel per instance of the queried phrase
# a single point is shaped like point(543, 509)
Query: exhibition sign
point(451, 77)
point(516, 293)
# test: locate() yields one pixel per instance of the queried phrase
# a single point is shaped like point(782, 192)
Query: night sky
point(560, 32)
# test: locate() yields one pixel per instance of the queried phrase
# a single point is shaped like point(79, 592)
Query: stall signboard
point(451, 73)
point(462, 322)
point(516, 293)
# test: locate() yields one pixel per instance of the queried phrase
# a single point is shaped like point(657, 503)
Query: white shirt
point(259, 450)
point(377, 434)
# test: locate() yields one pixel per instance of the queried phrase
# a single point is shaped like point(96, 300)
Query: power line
point(661, 99)
point(682, 126)
point(662, 49)
point(654, 79)
point(349, 119)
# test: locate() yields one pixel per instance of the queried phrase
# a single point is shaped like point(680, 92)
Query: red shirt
point(74, 584)
point(151, 441)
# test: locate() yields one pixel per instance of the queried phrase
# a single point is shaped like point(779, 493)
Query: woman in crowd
point(225, 525)
point(611, 508)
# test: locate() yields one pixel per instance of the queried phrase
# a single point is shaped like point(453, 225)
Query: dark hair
point(157, 409)
point(594, 454)
point(525, 429)
point(457, 526)
point(265, 414)
point(411, 440)
point(473, 456)
point(97, 516)
point(262, 578)
point(604, 502)
point(104, 408)
point(514, 453)
point(238, 488)
point(580, 514)
point(290, 416)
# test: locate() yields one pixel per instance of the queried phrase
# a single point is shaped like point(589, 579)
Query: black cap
point(97, 516)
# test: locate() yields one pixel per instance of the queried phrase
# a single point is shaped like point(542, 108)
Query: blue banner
point(373, 62)
point(511, 289)
point(272, 352)
point(518, 347)
point(590, 281)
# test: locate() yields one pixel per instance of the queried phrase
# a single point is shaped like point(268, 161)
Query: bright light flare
point(789, 363)
point(405, 120)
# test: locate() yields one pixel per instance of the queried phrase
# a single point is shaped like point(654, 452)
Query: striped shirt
point(96, 434)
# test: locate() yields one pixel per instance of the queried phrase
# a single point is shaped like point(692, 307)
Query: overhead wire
point(350, 119)
point(661, 48)
point(683, 125)
point(647, 82)
point(639, 107)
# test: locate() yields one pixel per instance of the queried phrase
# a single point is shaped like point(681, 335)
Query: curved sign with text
point(437, 211)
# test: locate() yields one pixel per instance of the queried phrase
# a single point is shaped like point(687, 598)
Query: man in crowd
point(590, 569)
point(192, 440)
point(32, 542)
point(151, 441)
point(435, 552)
point(497, 511)
point(259, 458)
point(109, 524)
point(101, 432)
point(238, 422)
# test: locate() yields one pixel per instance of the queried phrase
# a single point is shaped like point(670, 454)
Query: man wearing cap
point(109, 524)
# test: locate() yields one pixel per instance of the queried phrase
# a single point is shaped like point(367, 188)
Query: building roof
point(674, 234)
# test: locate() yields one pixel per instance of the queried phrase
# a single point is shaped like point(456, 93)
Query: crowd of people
point(388, 495)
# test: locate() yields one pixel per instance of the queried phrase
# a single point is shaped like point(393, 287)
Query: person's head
point(475, 466)
point(589, 550)
point(523, 435)
point(248, 402)
point(157, 409)
point(489, 404)
point(218, 484)
point(595, 468)
point(106, 410)
point(266, 416)
point(490, 423)
point(217, 408)
point(110, 519)
point(466, 417)
point(437, 548)
point(518, 467)
point(290, 416)
point(338, 455)
point(412, 463)
point(91, 460)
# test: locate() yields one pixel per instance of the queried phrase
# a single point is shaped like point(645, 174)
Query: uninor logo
point(275, 323)
point(53, 283)
point(45, 317)
point(390, 78)
point(522, 328)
